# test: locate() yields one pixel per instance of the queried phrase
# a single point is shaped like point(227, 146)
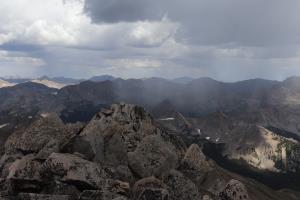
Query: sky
point(227, 40)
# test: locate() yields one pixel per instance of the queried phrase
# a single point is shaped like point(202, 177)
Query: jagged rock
point(195, 165)
point(39, 134)
point(121, 172)
point(53, 146)
point(31, 196)
point(150, 188)
point(180, 187)
point(92, 138)
point(44, 137)
point(153, 157)
point(74, 170)
point(111, 189)
point(60, 188)
point(77, 145)
point(5, 161)
point(124, 125)
point(115, 152)
point(24, 174)
point(234, 190)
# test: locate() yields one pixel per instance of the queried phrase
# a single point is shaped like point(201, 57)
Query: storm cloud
point(227, 40)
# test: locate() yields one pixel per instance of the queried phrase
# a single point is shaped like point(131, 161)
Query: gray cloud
point(224, 39)
point(249, 23)
point(113, 11)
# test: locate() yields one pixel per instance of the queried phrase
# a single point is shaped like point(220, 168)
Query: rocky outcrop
point(111, 189)
point(195, 165)
point(150, 188)
point(43, 137)
point(122, 154)
point(234, 190)
point(74, 170)
point(24, 174)
point(180, 186)
point(153, 157)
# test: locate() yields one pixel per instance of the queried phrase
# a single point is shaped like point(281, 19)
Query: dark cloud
point(113, 11)
point(211, 22)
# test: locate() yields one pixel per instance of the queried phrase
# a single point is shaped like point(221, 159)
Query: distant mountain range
point(60, 82)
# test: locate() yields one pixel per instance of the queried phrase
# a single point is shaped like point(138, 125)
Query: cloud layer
point(227, 40)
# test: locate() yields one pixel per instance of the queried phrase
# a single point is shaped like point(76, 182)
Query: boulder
point(121, 172)
point(153, 157)
point(195, 165)
point(79, 146)
point(61, 188)
point(74, 170)
point(150, 188)
point(24, 174)
point(180, 187)
point(234, 190)
point(5, 161)
point(111, 189)
point(43, 137)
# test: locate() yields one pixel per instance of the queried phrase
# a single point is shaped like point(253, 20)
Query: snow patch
point(167, 119)
point(44, 115)
point(3, 125)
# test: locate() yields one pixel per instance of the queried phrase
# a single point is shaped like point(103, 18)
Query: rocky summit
point(121, 154)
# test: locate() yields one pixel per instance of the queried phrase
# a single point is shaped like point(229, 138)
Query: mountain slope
point(49, 83)
point(5, 84)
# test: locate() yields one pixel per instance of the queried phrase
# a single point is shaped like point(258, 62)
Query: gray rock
point(150, 188)
point(74, 170)
point(92, 137)
point(121, 172)
point(24, 174)
point(234, 190)
point(79, 146)
point(111, 189)
point(115, 152)
point(117, 130)
point(5, 161)
point(180, 187)
point(153, 157)
point(44, 137)
point(195, 165)
point(60, 188)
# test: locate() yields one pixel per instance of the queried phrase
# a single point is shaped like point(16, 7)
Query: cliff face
point(120, 154)
point(273, 152)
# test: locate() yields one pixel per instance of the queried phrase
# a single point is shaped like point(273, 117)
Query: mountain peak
point(49, 83)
